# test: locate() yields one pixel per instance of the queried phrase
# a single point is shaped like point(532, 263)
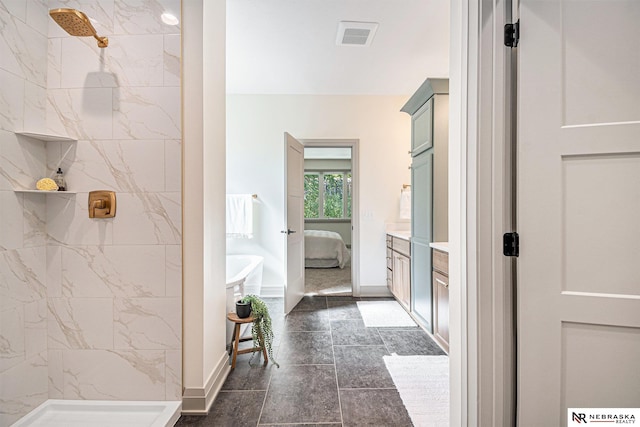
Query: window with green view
point(327, 195)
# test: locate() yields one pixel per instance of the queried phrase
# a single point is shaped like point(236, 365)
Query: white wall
point(205, 359)
point(255, 150)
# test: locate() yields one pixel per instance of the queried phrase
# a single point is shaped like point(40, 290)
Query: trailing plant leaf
point(261, 330)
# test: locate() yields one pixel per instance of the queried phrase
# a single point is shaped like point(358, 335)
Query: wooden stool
point(235, 339)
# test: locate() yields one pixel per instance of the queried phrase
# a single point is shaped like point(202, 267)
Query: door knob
point(288, 231)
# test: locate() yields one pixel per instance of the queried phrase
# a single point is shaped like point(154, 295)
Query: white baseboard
point(198, 400)
point(272, 291)
point(374, 291)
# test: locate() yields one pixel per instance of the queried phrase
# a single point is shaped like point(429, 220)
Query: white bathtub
point(247, 268)
point(244, 277)
point(102, 413)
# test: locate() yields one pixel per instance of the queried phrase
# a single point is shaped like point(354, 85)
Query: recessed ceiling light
point(351, 33)
point(169, 19)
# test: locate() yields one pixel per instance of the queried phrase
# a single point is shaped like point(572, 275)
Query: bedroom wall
point(255, 152)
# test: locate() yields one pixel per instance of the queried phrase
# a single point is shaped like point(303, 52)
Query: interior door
point(578, 208)
point(294, 221)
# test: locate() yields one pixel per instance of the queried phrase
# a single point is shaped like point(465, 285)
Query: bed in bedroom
point(324, 249)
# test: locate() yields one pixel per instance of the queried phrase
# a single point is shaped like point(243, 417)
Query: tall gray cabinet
point(429, 110)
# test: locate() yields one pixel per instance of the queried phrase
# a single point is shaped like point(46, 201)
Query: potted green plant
point(261, 330)
point(243, 309)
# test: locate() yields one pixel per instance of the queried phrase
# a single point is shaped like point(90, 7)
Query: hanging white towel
point(240, 216)
point(405, 204)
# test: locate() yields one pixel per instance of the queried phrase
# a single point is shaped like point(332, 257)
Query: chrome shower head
point(77, 23)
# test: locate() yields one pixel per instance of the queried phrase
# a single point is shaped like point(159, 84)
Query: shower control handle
point(288, 231)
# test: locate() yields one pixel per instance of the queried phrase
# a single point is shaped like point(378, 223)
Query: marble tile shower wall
point(99, 299)
point(23, 239)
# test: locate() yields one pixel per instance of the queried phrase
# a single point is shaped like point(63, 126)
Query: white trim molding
point(198, 400)
point(481, 347)
point(355, 201)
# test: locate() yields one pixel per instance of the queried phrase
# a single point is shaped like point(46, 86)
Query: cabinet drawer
point(441, 262)
point(389, 259)
point(402, 246)
point(389, 240)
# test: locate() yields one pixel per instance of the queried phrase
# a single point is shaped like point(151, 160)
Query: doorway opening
point(330, 216)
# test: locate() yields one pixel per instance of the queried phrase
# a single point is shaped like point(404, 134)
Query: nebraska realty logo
point(579, 416)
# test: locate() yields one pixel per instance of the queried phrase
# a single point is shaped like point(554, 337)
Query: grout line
point(266, 393)
point(359, 345)
point(301, 424)
point(364, 388)
point(335, 369)
point(310, 364)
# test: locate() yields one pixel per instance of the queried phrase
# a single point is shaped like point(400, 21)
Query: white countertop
point(400, 234)
point(441, 246)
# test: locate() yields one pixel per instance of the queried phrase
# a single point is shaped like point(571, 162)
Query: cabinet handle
point(409, 152)
point(446, 285)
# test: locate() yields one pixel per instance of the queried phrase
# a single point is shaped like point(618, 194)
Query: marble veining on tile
point(80, 323)
point(24, 47)
point(11, 102)
point(95, 271)
point(148, 218)
point(34, 214)
point(35, 107)
point(80, 113)
point(173, 376)
point(23, 159)
point(172, 60)
point(22, 276)
point(136, 17)
point(11, 226)
point(147, 323)
point(24, 387)
point(143, 369)
point(12, 338)
point(74, 289)
point(35, 327)
point(146, 113)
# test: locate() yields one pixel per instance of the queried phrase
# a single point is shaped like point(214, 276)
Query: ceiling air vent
point(352, 33)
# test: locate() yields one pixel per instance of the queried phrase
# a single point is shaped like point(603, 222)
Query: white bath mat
point(423, 384)
point(381, 314)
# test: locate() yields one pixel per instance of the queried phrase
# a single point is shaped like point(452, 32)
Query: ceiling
point(289, 46)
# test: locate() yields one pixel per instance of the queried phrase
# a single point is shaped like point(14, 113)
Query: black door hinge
point(511, 244)
point(512, 34)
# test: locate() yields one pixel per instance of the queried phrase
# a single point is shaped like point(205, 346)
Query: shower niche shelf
point(45, 192)
point(47, 138)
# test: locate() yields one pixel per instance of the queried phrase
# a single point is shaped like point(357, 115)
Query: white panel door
point(578, 207)
point(294, 222)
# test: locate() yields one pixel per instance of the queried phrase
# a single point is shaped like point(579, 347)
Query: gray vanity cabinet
point(429, 110)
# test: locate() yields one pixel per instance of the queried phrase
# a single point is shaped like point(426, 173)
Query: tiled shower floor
point(331, 371)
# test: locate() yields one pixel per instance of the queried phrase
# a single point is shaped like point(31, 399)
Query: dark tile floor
point(331, 371)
